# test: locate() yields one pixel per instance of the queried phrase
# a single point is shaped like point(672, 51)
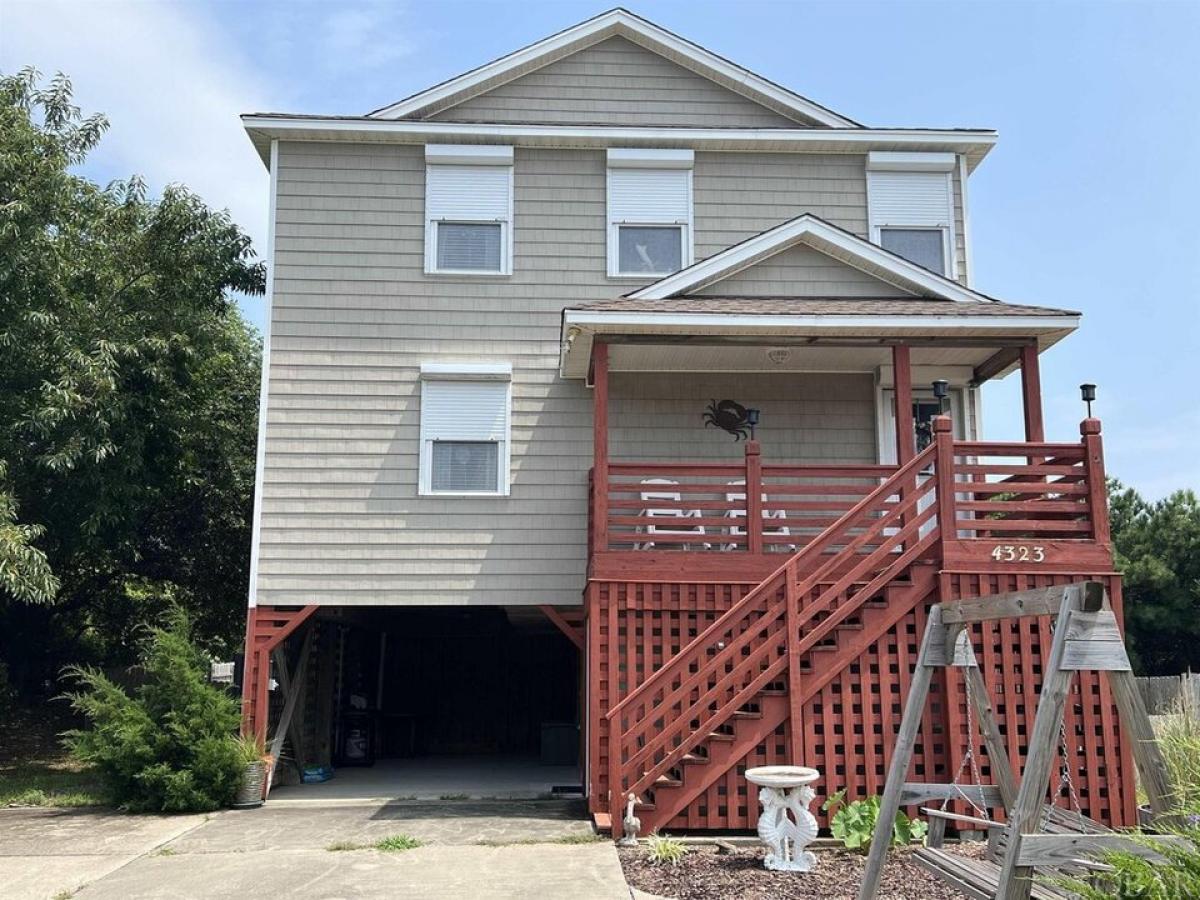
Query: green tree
point(128, 396)
point(1158, 550)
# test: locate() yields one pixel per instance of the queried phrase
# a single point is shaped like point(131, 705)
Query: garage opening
point(437, 703)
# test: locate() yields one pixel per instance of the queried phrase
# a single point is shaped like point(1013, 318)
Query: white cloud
point(363, 36)
point(171, 86)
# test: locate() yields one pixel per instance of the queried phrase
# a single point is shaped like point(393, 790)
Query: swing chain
point(969, 757)
point(1064, 776)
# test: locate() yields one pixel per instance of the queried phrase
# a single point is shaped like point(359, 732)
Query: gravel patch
point(706, 874)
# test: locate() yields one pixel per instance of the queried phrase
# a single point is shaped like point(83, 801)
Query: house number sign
point(1018, 553)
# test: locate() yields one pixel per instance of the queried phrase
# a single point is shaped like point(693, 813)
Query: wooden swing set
point(1037, 837)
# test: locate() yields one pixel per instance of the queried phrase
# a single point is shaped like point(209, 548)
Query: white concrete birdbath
point(785, 825)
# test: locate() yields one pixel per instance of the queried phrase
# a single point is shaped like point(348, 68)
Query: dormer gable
point(616, 69)
point(835, 251)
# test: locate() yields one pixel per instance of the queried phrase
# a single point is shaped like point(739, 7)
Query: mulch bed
point(706, 874)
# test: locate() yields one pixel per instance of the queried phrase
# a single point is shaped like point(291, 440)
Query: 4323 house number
point(1018, 553)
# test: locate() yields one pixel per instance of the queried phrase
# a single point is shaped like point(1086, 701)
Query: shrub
point(854, 823)
point(169, 747)
point(663, 850)
point(1176, 875)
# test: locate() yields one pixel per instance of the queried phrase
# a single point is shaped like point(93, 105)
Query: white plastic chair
point(674, 514)
point(774, 515)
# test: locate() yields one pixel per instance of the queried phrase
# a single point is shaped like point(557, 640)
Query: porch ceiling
point(818, 336)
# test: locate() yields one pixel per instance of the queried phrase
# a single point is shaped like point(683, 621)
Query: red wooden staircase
point(759, 662)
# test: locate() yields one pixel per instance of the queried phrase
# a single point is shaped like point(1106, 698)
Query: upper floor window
point(468, 209)
point(910, 199)
point(649, 212)
point(465, 428)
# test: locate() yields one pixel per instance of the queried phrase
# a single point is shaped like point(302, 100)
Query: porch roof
point(812, 322)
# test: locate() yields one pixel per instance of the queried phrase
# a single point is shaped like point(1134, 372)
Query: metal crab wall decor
point(728, 416)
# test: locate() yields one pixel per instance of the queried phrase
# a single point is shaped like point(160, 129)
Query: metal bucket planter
point(250, 793)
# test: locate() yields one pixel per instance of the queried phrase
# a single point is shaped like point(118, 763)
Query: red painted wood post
point(906, 435)
point(600, 447)
point(754, 508)
point(943, 436)
point(1031, 395)
point(248, 674)
point(1093, 461)
point(795, 707)
point(906, 447)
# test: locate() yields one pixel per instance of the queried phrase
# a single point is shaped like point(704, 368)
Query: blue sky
point(1086, 203)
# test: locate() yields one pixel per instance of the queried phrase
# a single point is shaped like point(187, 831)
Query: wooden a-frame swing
point(1086, 637)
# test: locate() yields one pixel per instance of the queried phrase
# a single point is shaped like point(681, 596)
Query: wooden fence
point(1164, 694)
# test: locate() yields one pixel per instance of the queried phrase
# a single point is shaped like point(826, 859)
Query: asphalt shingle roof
point(809, 306)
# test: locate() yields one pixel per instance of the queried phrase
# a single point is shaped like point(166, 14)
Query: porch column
point(902, 382)
point(1031, 394)
point(600, 447)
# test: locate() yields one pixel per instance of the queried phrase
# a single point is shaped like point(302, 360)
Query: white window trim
point(467, 372)
point(888, 161)
point(642, 159)
point(470, 155)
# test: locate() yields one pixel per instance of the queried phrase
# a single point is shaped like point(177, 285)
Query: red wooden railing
point(972, 493)
point(729, 507)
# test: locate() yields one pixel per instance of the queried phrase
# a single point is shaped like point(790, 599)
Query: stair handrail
point(886, 488)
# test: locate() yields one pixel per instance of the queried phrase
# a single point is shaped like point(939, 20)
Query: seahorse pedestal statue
point(785, 825)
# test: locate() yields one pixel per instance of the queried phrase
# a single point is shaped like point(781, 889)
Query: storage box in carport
point(560, 743)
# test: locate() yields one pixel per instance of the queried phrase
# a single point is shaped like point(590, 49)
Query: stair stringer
point(670, 801)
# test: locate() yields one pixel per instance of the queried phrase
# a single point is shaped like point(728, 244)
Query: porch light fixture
point(941, 392)
point(752, 415)
point(1088, 393)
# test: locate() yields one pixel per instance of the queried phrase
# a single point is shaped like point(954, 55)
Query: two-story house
point(602, 390)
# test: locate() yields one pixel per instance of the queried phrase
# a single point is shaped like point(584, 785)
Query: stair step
point(666, 781)
point(691, 759)
point(773, 692)
point(721, 736)
point(746, 714)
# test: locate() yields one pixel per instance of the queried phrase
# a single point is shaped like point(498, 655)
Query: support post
point(902, 381)
point(792, 620)
point(943, 437)
point(754, 510)
point(249, 658)
point(932, 649)
point(600, 447)
point(1031, 394)
point(1016, 881)
point(1093, 462)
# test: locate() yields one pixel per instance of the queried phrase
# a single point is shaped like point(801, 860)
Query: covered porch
point(728, 435)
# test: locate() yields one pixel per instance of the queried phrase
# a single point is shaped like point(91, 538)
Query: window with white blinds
point(468, 209)
point(649, 211)
point(465, 426)
point(910, 198)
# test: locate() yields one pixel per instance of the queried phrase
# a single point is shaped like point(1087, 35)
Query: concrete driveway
point(469, 849)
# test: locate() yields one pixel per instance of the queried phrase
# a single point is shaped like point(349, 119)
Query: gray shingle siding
point(615, 82)
point(354, 316)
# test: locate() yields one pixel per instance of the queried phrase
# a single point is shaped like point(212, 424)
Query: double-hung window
point(649, 212)
point(465, 428)
point(468, 209)
point(910, 197)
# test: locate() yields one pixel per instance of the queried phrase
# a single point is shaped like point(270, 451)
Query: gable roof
point(615, 22)
point(825, 238)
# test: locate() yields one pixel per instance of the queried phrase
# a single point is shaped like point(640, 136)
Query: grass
point(586, 838)
point(397, 843)
point(53, 782)
point(1178, 737)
